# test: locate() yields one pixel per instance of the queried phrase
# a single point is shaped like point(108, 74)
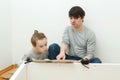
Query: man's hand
point(63, 49)
point(61, 56)
point(85, 61)
point(86, 57)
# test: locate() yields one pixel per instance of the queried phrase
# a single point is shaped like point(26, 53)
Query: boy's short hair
point(37, 36)
point(76, 12)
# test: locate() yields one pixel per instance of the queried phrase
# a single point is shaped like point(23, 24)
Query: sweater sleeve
point(65, 37)
point(91, 43)
point(24, 58)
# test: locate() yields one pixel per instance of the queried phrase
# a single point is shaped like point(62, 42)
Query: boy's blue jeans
point(54, 50)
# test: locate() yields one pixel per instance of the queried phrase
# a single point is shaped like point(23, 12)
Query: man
point(78, 42)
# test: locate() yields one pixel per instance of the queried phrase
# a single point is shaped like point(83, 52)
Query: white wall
point(5, 34)
point(51, 17)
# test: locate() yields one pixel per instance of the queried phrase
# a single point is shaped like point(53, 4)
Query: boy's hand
point(61, 56)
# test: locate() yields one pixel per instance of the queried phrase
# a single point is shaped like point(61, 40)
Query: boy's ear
point(33, 45)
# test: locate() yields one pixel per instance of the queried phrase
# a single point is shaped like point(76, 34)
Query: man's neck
point(79, 28)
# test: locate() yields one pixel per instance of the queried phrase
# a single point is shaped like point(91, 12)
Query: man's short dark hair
point(76, 12)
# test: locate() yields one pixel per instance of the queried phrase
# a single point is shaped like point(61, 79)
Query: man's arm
point(63, 50)
point(64, 45)
point(91, 43)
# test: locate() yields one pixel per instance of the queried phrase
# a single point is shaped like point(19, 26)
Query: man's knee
point(95, 60)
point(54, 50)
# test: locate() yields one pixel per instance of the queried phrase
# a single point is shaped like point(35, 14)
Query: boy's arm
point(24, 58)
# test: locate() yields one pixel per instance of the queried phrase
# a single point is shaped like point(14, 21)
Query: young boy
point(39, 50)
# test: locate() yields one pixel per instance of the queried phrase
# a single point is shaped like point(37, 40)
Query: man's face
point(41, 46)
point(76, 22)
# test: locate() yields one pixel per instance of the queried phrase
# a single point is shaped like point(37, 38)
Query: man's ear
point(83, 19)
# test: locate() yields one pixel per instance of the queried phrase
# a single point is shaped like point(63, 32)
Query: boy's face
point(41, 46)
point(76, 22)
